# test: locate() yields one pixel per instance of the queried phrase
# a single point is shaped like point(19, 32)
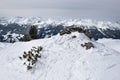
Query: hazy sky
point(92, 9)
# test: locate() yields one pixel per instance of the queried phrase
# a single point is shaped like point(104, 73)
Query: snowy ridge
point(65, 22)
point(63, 58)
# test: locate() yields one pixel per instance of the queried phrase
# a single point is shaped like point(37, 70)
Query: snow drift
point(62, 58)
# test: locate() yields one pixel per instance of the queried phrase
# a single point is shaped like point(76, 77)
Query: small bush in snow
point(26, 37)
point(31, 57)
point(74, 36)
point(88, 45)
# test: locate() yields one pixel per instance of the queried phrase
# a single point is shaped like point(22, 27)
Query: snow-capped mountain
point(62, 58)
point(50, 27)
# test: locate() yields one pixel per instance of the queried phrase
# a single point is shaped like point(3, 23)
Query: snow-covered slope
point(62, 58)
point(111, 43)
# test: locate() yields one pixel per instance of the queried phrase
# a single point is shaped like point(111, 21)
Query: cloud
point(60, 4)
point(67, 8)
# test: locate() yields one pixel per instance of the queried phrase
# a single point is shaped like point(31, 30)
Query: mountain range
point(14, 28)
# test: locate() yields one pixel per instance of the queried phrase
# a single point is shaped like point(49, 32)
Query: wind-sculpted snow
point(111, 43)
point(62, 58)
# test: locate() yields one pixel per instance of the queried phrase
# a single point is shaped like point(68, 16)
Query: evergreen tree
point(33, 32)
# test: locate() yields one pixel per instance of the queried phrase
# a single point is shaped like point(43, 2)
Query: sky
point(88, 9)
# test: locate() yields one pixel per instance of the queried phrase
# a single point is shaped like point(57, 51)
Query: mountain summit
point(64, 57)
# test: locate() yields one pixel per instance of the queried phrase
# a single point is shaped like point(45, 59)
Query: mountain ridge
point(65, 22)
point(51, 27)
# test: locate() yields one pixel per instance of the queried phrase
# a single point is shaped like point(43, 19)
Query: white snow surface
point(111, 43)
point(41, 22)
point(62, 58)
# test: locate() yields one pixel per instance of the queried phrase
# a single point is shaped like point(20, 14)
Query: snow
point(14, 37)
point(111, 43)
point(63, 58)
point(4, 45)
point(41, 22)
